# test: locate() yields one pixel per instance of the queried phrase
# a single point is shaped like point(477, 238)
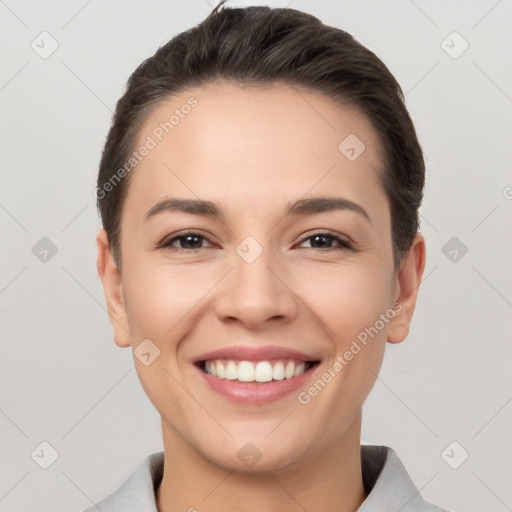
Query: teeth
point(262, 371)
point(246, 371)
point(221, 372)
point(278, 371)
point(231, 371)
point(289, 370)
point(299, 370)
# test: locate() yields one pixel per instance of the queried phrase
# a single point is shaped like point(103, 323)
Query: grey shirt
point(387, 483)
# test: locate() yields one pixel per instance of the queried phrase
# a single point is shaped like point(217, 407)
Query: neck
point(330, 480)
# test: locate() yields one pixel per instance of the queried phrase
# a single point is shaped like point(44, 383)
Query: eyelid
point(181, 234)
point(344, 243)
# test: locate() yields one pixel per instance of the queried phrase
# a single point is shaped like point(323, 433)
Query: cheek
point(160, 298)
point(160, 306)
point(347, 299)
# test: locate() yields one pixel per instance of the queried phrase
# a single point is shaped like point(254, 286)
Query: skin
point(253, 150)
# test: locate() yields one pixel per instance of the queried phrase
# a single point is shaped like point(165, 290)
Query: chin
point(255, 457)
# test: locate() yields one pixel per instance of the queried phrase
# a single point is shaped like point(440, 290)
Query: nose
point(255, 293)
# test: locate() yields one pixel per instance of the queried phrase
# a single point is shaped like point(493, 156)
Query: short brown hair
point(260, 45)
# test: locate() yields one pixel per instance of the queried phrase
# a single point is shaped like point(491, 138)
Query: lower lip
point(256, 392)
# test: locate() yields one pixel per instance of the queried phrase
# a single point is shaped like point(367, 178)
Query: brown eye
point(188, 242)
point(325, 241)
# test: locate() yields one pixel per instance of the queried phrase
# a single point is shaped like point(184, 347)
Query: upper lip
point(254, 353)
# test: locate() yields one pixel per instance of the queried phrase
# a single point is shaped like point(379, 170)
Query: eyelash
point(344, 244)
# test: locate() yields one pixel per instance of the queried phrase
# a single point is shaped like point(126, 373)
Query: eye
point(189, 242)
point(325, 239)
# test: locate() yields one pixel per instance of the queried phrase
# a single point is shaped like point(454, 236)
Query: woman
point(259, 192)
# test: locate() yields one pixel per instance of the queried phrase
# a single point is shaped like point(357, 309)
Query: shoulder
point(388, 484)
point(138, 491)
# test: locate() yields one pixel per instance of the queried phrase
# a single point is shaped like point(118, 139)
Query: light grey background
point(64, 381)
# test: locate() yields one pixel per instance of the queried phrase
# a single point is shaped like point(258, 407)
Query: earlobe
point(112, 283)
point(409, 280)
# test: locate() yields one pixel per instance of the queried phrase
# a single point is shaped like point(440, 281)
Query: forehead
point(238, 144)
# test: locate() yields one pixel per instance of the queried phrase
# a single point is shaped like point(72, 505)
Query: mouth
point(249, 375)
point(261, 371)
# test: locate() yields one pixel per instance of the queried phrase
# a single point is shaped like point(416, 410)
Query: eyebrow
point(299, 207)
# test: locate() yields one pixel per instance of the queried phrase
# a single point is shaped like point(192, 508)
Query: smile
point(256, 382)
point(256, 371)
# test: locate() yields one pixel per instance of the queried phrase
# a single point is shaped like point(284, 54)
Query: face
point(302, 291)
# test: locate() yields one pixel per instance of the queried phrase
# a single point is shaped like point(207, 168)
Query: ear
point(409, 280)
point(112, 282)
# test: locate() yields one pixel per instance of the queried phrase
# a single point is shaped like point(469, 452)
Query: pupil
point(188, 238)
point(317, 237)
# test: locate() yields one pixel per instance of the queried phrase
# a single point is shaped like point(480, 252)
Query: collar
point(386, 481)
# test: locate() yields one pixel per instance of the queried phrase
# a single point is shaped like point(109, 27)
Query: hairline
point(142, 120)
